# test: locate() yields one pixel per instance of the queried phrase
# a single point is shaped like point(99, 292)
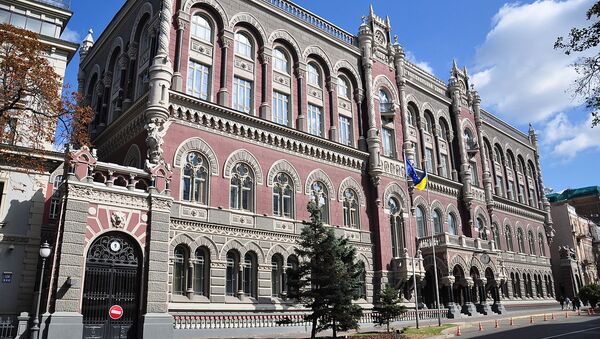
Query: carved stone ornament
point(156, 131)
point(117, 219)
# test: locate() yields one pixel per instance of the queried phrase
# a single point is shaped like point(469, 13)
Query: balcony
point(387, 109)
point(456, 241)
point(64, 4)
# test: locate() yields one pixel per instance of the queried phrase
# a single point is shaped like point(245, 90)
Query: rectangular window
point(387, 140)
point(345, 130)
point(511, 188)
point(17, 20)
point(280, 108)
point(521, 193)
point(474, 177)
point(34, 25)
point(315, 120)
point(444, 165)
point(48, 29)
point(197, 82)
point(499, 183)
point(54, 202)
point(4, 16)
point(242, 95)
point(429, 160)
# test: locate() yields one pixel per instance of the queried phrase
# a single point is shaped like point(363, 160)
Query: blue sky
point(507, 47)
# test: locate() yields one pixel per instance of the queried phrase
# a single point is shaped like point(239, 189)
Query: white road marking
point(564, 334)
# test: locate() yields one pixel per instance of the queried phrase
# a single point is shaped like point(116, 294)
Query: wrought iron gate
point(111, 278)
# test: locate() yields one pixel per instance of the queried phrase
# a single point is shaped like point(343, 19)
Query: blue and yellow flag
point(420, 183)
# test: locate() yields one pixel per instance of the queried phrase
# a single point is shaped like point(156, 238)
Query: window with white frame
point(180, 260)
point(429, 160)
point(280, 108)
point(280, 61)
point(200, 28)
point(250, 275)
point(283, 196)
point(314, 76)
point(195, 176)
point(420, 222)
point(437, 221)
point(277, 275)
point(474, 176)
point(53, 214)
point(444, 166)
point(345, 130)
point(242, 188)
point(201, 264)
point(231, 273)
point(343, 88)
point(315, 120)
point(320, 195)
point(396, 226)
point(482, 230)
point(198, 79)
point(242, 45)
point(452, 226)
point(508, 238)
point(350, 209)
point(387, 140)
point(242, 95)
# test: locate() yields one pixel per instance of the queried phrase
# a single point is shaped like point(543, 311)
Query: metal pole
point(416, 293)
point(435, 275)
point(35, 329)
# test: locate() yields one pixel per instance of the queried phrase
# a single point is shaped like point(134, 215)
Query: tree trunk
point(388, 325)
point(334, 328)
point(313, 332)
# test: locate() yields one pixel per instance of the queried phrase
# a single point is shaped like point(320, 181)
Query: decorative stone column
point(453, 308)
point(333, 103)
point(359, 97)
point(300, 72)
point(183, 20)
point(226, 43)
point(465, 174)
point(469, 308)
point(266, 91)
point(482, 306)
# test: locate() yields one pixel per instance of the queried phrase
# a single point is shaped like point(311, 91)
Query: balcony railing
point(444, 239)
point(64, 4)
point(313, 20)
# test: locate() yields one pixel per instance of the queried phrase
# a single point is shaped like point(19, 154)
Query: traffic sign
point(115, 312)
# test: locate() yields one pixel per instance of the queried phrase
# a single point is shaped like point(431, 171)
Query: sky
point(506, 46)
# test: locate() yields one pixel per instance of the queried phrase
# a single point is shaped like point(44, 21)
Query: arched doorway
point(112, 277)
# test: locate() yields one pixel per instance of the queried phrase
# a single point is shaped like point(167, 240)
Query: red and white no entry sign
point(115, 312)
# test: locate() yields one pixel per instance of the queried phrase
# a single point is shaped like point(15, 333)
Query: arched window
point(283, 196)
point(250, 274)
point(243, 46)
point(242, 188)
point(350, 209)
point(362, 282)
point(231, 279)
point(314, 76)
point(292, 264)
point(428, 126)
point(541, 244)
point(195, 179)
point(396, 226)
point(482, 229)
point(437, 222)
point(343, 87)
point(277, 275)
point(179, 270)
point(385, 104)
point(452, 227)
point(200, 28)
point(469, 138)
point(420, 222)
point(520, 240)
point(201, 271)
point(411, 116)
point(280, 61)
point(531, 241)
point(320, 195)
point(496, 235)
point(508, 237)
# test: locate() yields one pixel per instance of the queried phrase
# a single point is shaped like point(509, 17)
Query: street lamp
point(45, 251)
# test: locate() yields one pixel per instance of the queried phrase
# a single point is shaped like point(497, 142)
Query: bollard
point(511, 323)
point(553, 317)
point(531, 319)
point(497, 324)
point(567, 314)
point(480, 327)
point(458, 333)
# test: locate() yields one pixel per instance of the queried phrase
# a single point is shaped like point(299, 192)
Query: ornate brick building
point(216, 122)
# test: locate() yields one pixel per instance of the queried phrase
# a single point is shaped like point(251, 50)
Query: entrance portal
point(111, 278)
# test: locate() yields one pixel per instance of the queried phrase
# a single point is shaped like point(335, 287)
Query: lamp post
point(45, 251)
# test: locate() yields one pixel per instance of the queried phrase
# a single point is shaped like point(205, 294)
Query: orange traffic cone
point(553, 317)
point(458, 332)
point(497, 324)
point(511, 323)
point(531, 319)
point(545, 317)
point(480, 327)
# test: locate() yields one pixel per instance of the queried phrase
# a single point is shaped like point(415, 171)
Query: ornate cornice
point(519, 209)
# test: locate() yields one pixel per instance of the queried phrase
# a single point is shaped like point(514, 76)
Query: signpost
point(115, 312)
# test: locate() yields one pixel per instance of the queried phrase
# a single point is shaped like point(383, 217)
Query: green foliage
point(327, 277)
point(590, 293)
point(588, 67)
point(388, 307)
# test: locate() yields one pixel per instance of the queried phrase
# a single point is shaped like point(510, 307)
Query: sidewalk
point(304, 332)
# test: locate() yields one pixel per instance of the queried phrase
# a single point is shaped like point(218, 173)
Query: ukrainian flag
point(420, 183)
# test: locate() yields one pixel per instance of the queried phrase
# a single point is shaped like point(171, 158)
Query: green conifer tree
point(388, 307)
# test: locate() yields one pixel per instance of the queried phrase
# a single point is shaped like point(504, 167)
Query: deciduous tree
point(588, 67)
point(33, 115)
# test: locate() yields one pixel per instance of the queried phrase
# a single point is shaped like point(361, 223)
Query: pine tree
point(388, 307)
point(327, 278)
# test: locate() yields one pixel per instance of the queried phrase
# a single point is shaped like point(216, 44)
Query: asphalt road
point(574, 327)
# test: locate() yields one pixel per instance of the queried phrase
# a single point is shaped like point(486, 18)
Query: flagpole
point(435, 275)
point(413, 263)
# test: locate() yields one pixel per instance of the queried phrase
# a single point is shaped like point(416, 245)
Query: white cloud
point(421, 64)
point(566, 139)
point(518, 73)
point(70, 35)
